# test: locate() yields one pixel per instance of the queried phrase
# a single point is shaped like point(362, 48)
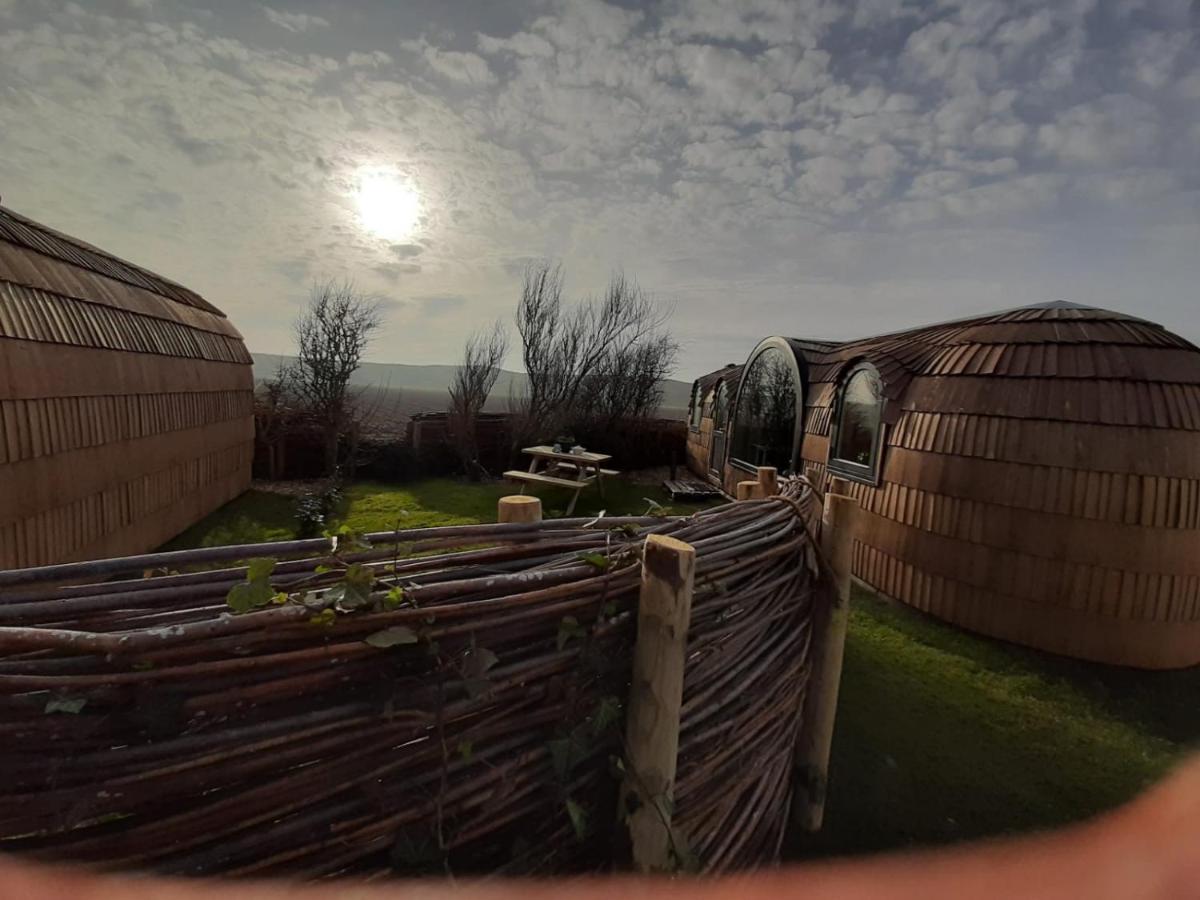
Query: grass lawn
point(265, 516)
point(943, 736)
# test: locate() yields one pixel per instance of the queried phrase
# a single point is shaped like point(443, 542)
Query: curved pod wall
point(125, 402)
point(1039, 479)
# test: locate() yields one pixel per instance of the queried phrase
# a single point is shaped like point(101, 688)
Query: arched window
point(720, 406)
point(697, 405)
point(858, 427)
point(720, 417)
point(764, 426)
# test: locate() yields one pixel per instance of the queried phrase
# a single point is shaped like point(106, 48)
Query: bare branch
point(331, 335)
point(473, 382)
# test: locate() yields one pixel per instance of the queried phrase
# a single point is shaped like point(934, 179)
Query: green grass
point(943, 736)
point(258, 516)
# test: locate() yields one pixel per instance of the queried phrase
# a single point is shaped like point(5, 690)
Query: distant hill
point(427, 385)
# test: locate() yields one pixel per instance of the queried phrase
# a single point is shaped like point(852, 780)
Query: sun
point(388, 204)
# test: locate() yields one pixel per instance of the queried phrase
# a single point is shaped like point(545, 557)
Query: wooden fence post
point(768, 481)
point(747, 490)
point(519, 508)
point(829, 642)
point(656, 693)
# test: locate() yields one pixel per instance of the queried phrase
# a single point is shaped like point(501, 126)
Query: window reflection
point(857, 440)
point(697, 405)
point(765, 425)
point(721, 406)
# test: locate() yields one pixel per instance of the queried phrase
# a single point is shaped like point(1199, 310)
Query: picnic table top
point(549, 453)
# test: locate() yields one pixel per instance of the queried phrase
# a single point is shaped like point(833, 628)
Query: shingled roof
point(23, 232)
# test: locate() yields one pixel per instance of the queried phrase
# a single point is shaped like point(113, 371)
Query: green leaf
point(257, 569)
point(478, 662)
point(608, 712)
point(565, 753)
point(609, 610)
point(578, 818)
point(394, 598)
point(349, 539)
point(321, 570)
point(325, 617)
point(279, 598)
point(654, 508)
point(71, 705)
point(569, 628)
point(465, 749)
point(309, 600)
point(392, 637)
point(249, 595)
point(597, 560)
point(560, 757)
point(354, 591)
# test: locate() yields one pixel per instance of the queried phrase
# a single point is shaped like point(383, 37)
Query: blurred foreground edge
point(1148, 849)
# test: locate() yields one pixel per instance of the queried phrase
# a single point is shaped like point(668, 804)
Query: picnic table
point(573, 471)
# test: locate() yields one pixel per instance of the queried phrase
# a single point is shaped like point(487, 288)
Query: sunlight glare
point(388, 204)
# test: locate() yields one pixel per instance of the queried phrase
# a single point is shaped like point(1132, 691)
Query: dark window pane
point(765, 422)
point(862, 408)
point(697, 405)
point(721, 406)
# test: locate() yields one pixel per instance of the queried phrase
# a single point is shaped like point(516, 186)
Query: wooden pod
point(1037, 477)
point(126, 402)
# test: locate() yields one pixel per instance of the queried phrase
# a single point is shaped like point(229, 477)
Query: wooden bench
point(539, 478)
point(575, 485)
point(571, 467)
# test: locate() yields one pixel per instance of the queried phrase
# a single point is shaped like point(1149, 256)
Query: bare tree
point(473, 382)
point(331, 335)
point(627, 384)
point(274, 414)
point(571, 355)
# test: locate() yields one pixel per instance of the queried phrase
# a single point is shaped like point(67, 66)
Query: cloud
point(459, 67)
point(1111, 130)
point(833, 165)
point(294, 22)
point(439, 304)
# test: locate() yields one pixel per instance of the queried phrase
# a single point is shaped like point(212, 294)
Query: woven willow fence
point(399, 704)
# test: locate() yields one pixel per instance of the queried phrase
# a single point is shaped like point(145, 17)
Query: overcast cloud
point(812, 168)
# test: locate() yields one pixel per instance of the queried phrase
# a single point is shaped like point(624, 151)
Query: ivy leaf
point(569, 628)
point(258, 569)
point(565, 753)
point(324, 618)
point(395, 636)
point(394, 598)
point(321, 570)
point(578, 817)
point(71, 705)
point(608, 712)
point(560, 757)
point(465, 749)
point(654, 508)
point(279, 598)
point(478, 661)
point(349, 539)
point(312, 601)
point(596, 560)
point(249, 595)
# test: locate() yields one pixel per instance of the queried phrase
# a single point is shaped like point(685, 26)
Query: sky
point(814, 169)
